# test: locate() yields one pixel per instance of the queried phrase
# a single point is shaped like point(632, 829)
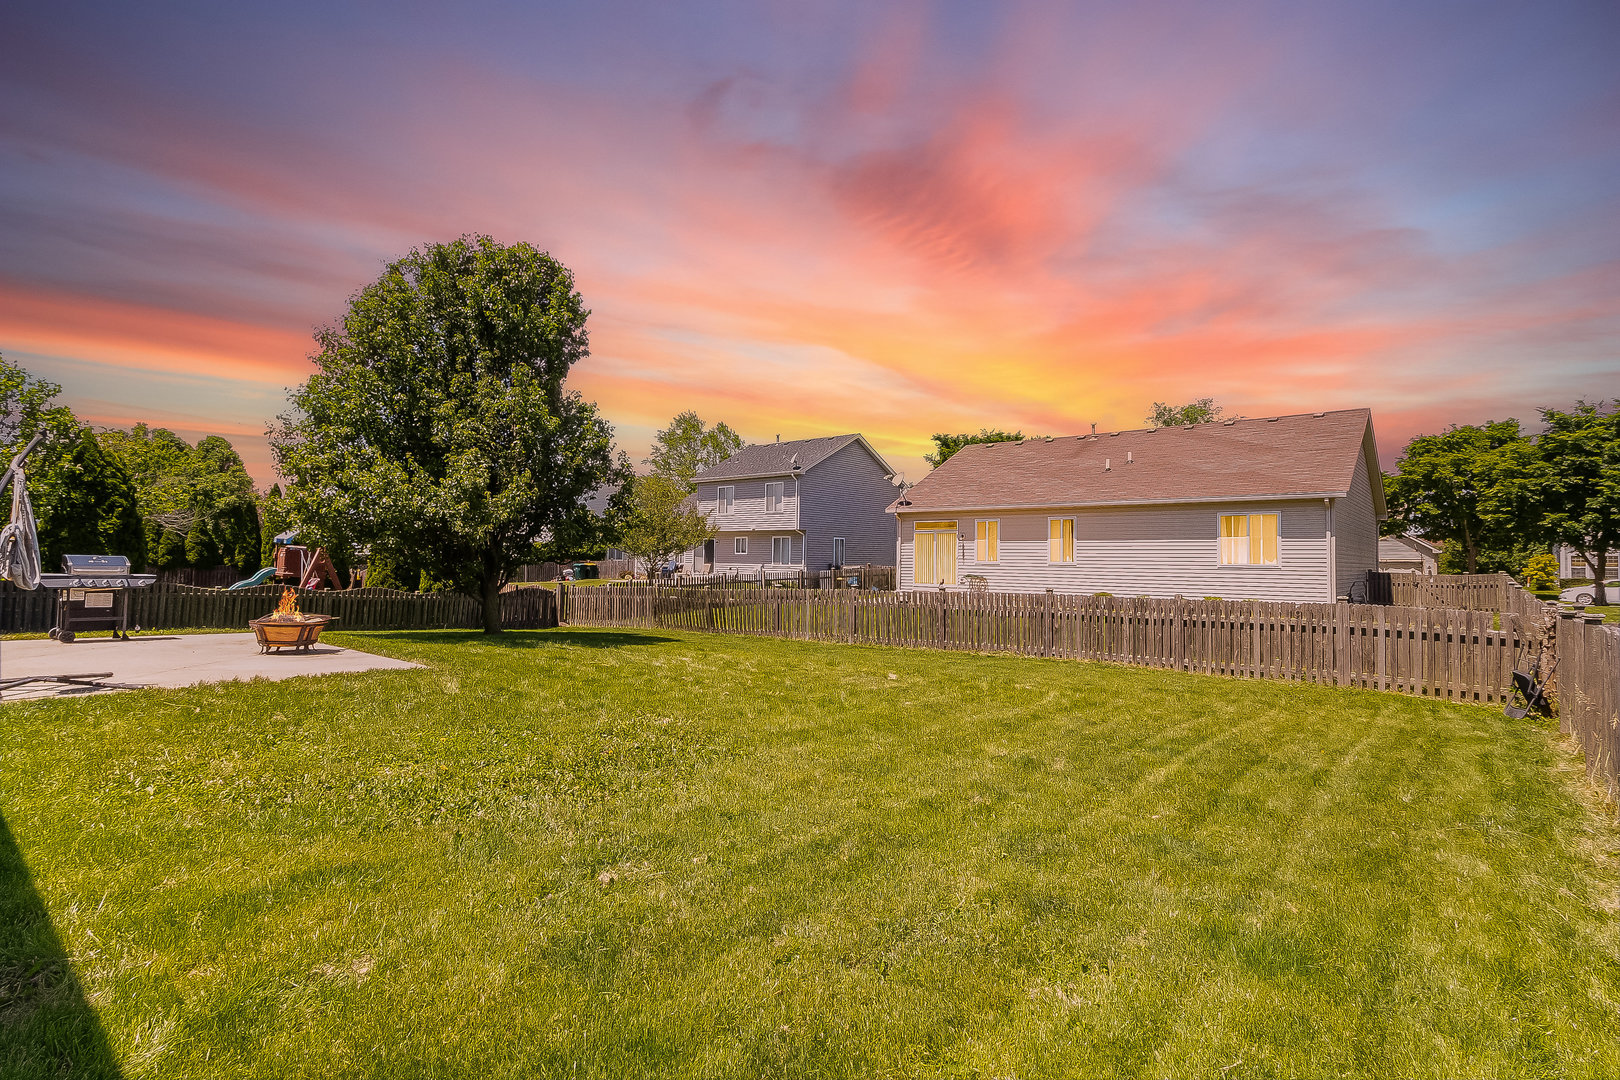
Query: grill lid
point(99, 565)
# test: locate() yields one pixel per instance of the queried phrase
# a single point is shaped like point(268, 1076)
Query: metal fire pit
point(93, 594)
point(274, 633)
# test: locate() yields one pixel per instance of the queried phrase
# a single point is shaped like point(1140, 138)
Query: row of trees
point(1498, 496)
point(146, 494)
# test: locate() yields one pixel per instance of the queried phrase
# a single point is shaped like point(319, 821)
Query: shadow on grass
point(523, 639)
point(47, 1028)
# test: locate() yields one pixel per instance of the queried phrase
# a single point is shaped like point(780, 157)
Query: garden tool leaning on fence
point(1529, 684)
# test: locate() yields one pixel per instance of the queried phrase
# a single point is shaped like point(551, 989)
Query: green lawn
point(623, 854)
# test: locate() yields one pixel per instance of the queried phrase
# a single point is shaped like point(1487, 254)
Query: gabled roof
point(1309, 455)
point(779, 458)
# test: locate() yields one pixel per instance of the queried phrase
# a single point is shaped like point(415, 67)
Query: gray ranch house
point(1277, 508)
point(809, 504)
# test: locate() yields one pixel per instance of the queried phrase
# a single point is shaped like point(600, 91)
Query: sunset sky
point(809, 218)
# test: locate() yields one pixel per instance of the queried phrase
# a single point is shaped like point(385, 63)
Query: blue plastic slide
point(261, 578)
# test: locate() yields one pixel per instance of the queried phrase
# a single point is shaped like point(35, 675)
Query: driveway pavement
point(172, 661)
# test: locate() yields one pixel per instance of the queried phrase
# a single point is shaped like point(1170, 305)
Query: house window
point(725, 499)
point(933, 554)
point(781, 548)
point(1060, 540)
point(987, 541)
point(739, 546)
point(838, 551)
point(1249, 539)
point(773, 498)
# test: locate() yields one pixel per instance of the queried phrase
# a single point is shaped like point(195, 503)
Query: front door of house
point(708, 556)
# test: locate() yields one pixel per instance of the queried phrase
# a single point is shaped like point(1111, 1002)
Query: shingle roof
point(777, 458)
point(1303, 455)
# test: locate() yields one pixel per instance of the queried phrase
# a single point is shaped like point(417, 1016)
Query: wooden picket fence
point(166, 606)
point(1587, 690)
point(1465, 592)
point(1449, 654)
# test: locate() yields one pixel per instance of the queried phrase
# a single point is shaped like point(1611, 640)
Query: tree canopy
point(83, 498)
point(661, 523)
point(945, 446)
point(437, 429)
point(687, 447)
point(1573, 483)
point(1202, 411)
point(1449, 488)
point(201, 494)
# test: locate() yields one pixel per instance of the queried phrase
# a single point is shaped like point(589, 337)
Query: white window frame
point(838, 551)
point(775, 497)
point(995, 558)
point(739, 545)
point(788, 540)
point(1220, 559)
point(725, 498)
point(1073, 529)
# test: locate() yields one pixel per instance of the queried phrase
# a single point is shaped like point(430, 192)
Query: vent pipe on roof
point(1094, 430)
point(779, 437)
point(1108, 465)
point(1129, 456)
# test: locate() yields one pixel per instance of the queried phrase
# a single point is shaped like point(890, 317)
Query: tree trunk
point(1600, 595)
point(492, 603)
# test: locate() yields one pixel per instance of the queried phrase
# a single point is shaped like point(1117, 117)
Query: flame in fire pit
point(287, 611)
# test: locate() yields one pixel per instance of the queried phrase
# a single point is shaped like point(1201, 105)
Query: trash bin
point(583, 570)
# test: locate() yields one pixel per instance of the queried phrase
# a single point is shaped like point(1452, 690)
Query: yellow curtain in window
point(987, 541)
point(1263, 539)
point(1234, 539)
point(922, 560)
point(1060, 540)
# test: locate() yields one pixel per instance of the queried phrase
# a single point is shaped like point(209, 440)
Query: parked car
point(1582, 594)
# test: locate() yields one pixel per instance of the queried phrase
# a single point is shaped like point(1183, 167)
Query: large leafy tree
point(946, 445)
point(1451, 487)
point(86, 503)
point(1573, 482)
point(83, 498)
point(687, 447)
point(1202, 411)
point(661, 522)
point(201, 493)
point(437, 430)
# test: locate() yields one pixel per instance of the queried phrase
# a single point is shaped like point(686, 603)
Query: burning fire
point(287, 610)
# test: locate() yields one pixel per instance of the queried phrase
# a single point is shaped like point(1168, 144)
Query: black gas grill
point(93, 594)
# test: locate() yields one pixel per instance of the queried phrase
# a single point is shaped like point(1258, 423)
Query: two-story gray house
point(808, 504)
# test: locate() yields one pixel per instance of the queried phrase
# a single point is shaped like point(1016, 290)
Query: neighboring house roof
point(1309, 455)
point(1411, 543)
point(779, 458)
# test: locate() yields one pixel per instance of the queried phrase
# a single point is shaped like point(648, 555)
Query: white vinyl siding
point(739, 545)
point(1248, 539)
point(1355, 532)
point(746, 509)
point(1158, 551)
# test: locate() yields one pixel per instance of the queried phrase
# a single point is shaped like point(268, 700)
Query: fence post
point(1046, 630)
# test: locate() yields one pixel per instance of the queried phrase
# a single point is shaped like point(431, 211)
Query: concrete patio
point(172, 661)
